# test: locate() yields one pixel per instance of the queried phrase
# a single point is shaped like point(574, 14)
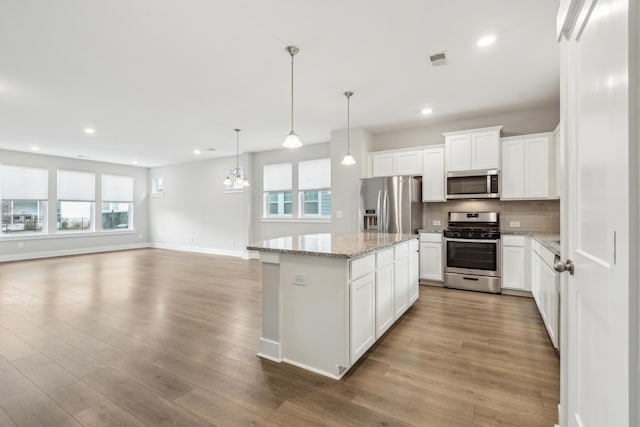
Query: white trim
point(467, 131)
point(315, 370)
point(269, 349)
point(67, 252)
point(530, 135)
point(200, 250)
point(299, 220)
point(65, 235)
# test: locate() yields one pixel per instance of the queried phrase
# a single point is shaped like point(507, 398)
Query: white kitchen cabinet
point(433, 176)
point(528, 167)
point(385, 314)
point(401, 280)
point(514, 263)
point(431, 256)
point(397, 162)
point(363, 315)
point(473, 149)
point(545, 288)
point(414, 273)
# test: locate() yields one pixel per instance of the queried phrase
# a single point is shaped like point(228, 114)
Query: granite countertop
point(430, 230)
point(334, 245)
point(550, 241)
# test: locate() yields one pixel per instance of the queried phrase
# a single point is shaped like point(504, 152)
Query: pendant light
point(238, 177)
point(348, 158)
point(292, 140)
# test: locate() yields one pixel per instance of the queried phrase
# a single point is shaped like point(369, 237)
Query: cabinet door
point(431, 261)
point(433, 175)
point(408, 163)
point(414, 274)
point(384, 299)
point(512, 170)
point(401, 283)
point(513, 268)
point(535, 278)
point(382, 165)
point(536, 154)
point(458, 149)
point(363, 318)
point(485, 150)
point(551, 291)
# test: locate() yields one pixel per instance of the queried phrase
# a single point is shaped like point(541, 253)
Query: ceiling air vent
point(438, 59)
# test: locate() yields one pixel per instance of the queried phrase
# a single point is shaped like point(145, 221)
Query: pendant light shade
point(236, 176)
point(348, 158)
point(292, 140)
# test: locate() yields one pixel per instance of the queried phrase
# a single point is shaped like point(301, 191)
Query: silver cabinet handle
point(561, 267)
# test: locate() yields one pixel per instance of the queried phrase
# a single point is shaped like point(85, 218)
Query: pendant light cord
point(348, 124)
point(237, 151)
point(292, 92)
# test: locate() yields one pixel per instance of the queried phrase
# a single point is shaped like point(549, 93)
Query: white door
point(401, 283)
point(458, 149)
point(512, 169)
point(384, 299)
point(414, 273)
point(595, 94)
point(382, 165)
point(536, 180)
point(363, 315)
point(433, 175)
point(485, 150)
point(409, 163)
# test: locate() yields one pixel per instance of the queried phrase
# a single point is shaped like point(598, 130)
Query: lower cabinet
point(431, 256)
point(545, 288)
point(385, 314)
point(514, 263)
point(414, 271)
point(401, 300)
point(363, 315)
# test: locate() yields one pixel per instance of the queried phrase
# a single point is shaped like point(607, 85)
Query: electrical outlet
point(436, 222)
point(299, 279)
point(20, 245)
point(514, 224)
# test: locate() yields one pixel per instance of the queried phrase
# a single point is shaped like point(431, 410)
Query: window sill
point(65, 235)
point(298, 220)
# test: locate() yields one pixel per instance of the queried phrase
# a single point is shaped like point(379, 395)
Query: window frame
point(130, 203)
point(302, 202)
point(8, 174)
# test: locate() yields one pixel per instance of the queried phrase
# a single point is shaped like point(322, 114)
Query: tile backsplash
point(535, 215)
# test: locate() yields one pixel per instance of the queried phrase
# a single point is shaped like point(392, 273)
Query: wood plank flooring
point(155, 337)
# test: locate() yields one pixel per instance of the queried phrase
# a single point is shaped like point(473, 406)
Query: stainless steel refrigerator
point(390, 204)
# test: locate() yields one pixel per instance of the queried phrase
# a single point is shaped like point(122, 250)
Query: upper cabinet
point(433, 185)
point(396, 162)
point(528, 167)
point(474, 149)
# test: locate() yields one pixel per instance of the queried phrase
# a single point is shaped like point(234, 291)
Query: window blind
point(117, 188)
point(314, 174)
point(24, 183)
point(76, 186)
point(277, 177)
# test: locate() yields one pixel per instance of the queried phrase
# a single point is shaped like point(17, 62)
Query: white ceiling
point(158, 79)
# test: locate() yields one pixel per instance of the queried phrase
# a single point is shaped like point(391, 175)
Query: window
point(117, 202)
point(314, 185)
point(278, 197)
point(157, 186)
point(24, 192)
point(76, 201)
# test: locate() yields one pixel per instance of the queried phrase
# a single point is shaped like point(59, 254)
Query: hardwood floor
point(155, 337)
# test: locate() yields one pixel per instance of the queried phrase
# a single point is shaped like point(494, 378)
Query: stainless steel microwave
point(477, 184)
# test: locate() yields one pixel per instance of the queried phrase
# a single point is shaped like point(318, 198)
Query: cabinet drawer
point(363, 266)
point(431, 237)
point(508, 240)
point(384, 257)
point(402, 250)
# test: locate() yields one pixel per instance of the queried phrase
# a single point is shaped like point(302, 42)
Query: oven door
point(473, 256)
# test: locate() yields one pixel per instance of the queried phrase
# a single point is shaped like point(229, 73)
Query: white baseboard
point(269, 350)
point(201, 250)
point(74, 251)
point(315, 370)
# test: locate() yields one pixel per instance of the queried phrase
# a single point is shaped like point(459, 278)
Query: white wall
point(515, 123)
point(64, 244)
point(268, 228)
point(196, 214)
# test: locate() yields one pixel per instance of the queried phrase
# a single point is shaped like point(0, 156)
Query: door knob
point(561, 267)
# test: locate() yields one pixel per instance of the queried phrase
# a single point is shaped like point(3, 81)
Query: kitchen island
point(326, 298)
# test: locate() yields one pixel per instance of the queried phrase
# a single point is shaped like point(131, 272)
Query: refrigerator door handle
point(385, 209)
point(379, 212)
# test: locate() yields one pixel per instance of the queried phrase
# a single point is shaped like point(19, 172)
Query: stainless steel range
point(472, 250)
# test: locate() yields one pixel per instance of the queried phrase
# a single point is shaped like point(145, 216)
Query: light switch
point(339, 214)
point(299, 279)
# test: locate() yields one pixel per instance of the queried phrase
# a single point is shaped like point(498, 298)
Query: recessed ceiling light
point(196, 151)
point(426, 111)
point(486, 40)
point(34, 148)
point(135, 162)
point(89, 131)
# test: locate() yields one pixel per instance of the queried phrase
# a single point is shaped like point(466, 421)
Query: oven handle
point(472, 240)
